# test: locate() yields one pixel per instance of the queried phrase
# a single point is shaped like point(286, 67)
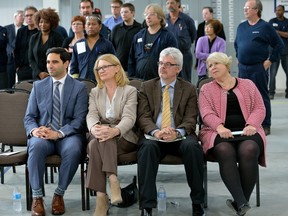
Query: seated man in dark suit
point(167, 110)
point(55, 124)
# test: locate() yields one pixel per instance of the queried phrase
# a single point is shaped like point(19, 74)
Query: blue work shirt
point(184, 31)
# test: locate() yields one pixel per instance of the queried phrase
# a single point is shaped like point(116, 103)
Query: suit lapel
point(177, 97)
point(117, 100)
point(66, 93)
point(157, 92)
point(48, 94)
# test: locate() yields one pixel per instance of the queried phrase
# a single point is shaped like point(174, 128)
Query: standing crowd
point(158, 119)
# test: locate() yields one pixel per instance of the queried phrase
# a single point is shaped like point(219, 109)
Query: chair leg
point(28, 190)
point(46, 175)
point(2, 175)
point(258, 190)
point(88, 198)
point(13, 167)
point(205, 186)
point(82, 186)
point(52, 175)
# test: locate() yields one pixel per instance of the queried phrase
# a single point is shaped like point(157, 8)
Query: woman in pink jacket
point(232, 111)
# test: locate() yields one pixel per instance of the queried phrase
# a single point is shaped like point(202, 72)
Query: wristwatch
point(60, 135)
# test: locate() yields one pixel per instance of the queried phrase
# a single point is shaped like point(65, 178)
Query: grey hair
point(259, 7)
point(174, 53)
point(18, 12)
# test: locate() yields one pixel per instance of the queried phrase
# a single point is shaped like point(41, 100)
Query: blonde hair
point(219, 57)
point(120, 77)
point(159, 11)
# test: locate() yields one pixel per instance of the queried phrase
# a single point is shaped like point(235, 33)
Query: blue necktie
point(56, 113)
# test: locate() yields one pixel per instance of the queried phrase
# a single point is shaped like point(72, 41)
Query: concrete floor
point(273, 182)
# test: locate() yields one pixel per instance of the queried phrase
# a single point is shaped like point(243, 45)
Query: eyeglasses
point(150, 14)
point(104, 67)
point(248, 8)
point(166, 64)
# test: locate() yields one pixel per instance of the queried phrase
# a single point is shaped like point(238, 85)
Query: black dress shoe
point(198, 210)
point(146, 212)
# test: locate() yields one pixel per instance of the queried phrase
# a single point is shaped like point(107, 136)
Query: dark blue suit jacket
point(74, 106)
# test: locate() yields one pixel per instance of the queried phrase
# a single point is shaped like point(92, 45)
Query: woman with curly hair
point(46, 21)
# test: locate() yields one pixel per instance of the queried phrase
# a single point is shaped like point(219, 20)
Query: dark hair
point(91, 2)
point(117, 1)
point(130, 6)
point(78, 18)
point(178, 1)
point(64, 55)
point(30, 8)
point(209, 8)
point(282, 6)
point(216, 24)
point(48, 14)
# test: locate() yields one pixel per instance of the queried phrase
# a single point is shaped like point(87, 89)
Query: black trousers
point(24, 73)
point(11, 71)
point(150, 154)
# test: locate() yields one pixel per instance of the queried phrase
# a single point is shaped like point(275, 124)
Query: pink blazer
point(213, 104)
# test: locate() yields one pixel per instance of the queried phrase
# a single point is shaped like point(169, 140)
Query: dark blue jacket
point(83, 62)
point(142, 63)
point(184, 30)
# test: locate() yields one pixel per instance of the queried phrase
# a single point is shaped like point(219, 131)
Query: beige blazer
point(125, 110)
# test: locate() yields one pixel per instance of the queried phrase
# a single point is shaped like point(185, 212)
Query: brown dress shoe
point(37, 208)
point(58, 206)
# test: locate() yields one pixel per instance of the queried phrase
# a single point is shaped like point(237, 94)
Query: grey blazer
point(125, 110)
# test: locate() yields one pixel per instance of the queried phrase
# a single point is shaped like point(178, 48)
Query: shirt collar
point(163, 84)
point(62, 80)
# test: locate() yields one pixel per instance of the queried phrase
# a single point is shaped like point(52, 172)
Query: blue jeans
point(260, 77)
point(273, 72)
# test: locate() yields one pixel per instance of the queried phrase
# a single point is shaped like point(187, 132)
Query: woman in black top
point(46, 20)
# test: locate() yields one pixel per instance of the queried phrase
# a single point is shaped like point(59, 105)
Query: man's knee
point(191, 144)
point(147, 147)
point(36, 145)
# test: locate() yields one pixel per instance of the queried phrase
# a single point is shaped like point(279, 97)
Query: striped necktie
point(56, 113)
point(166, 114)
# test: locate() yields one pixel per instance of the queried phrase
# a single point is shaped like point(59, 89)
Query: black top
point(3, 45)
point(22, 46)
point(121, 38)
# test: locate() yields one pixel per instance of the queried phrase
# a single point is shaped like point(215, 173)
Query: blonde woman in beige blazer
point(111, 117)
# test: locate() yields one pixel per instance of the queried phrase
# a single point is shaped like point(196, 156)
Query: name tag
point(139, 40)
point(81, 48)
point(275, 24)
